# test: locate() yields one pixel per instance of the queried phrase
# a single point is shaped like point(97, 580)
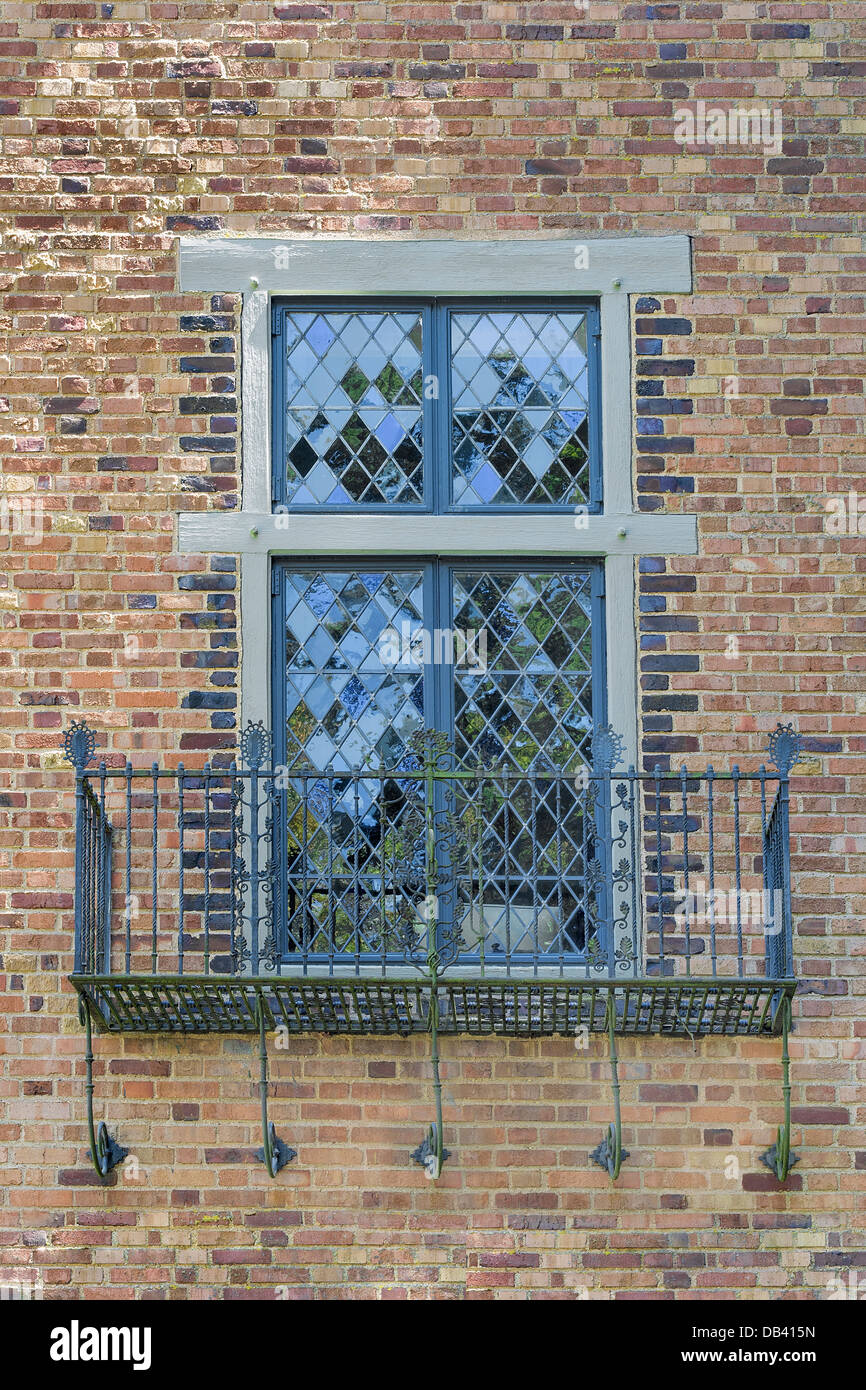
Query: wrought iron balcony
point(433, 898)
point(342, 899)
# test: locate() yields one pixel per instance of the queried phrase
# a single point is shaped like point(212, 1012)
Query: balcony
point(473, 900)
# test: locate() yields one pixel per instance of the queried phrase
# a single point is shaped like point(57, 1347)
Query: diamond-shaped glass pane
point(529, 703)
point(520, 392)
point(350, 699)
point(354, 697)
point(354, 392)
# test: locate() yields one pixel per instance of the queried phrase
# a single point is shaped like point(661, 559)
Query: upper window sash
point(498, 407)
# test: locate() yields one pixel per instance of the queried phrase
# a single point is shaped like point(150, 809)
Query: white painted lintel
point(382, 533)
point(318, 266)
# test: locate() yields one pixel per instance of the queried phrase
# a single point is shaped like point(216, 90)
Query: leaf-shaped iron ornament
point(607, 748)
point(79, 742)
point(430, 745)
point(784, 748)
point(255, 745)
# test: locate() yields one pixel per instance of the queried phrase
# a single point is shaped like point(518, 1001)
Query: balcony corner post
point(79, 742)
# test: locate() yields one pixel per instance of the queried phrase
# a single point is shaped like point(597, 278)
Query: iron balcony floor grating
point(514, 1008)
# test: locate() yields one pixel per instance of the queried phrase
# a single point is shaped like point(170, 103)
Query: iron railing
point(251, 873)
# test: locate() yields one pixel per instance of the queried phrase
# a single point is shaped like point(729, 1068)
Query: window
point(486, 455)
point(436, 409)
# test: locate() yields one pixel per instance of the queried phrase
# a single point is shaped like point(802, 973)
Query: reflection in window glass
point(353, 390)
point(520, 392)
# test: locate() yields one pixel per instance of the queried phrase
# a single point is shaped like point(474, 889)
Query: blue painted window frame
point(435, 362)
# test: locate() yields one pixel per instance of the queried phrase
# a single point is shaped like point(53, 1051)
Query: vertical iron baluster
point(787, 961)
point(768, 906)
point(154, 772)
point(735, 775)
point(356, 897)
point(180, 826)
point(659, 885)
point(712, 885)
point(476, 886)
point(80, 898)
point(94, 832)
point(207, 775)
point(634, 790)
point(559, 902)
point(309, 918)
point(533, 823)
point(254, 867)
point(507, 836)
point(332, 909)
point(233, 864)
point(128, 872)
point(683, 777)
point(103, 889)
point(89, 964)
point(382, 915)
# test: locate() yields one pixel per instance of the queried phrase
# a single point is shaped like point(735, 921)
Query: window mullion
point(440, 421)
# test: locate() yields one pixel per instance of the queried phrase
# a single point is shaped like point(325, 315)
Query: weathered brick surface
point(126, 126)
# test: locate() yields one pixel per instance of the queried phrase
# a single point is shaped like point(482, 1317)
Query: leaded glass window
point(520, 417)
point(353, 408)
point(436, 408)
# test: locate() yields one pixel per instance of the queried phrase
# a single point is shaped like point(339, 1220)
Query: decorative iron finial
point(784, 747)
point(607, 748)
point(79, 742)
point(255, 745)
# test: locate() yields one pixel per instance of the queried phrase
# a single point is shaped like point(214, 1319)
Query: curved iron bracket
point(105, 1152)
point(610, 1153)
point(431, 1153)
point(273, 1153)
point(779, 1158)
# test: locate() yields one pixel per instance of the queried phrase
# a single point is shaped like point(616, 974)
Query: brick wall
point(127, 125)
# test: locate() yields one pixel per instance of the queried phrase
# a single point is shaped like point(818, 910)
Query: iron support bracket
point(273, 1153)
point(105, 1152)
point(431, 1153)
point(610, 1153)
point(779, 1158)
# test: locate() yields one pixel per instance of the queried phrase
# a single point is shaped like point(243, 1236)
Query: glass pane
point(520, 392)
point(532, 704)
point(354, 391)
point(529, 713)
point(354, 697)
point(353, 693)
